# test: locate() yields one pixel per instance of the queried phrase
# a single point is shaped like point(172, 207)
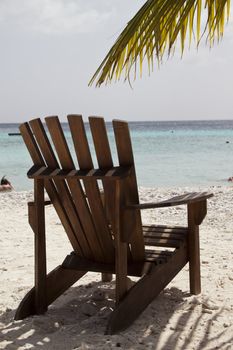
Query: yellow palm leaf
point(154, 30)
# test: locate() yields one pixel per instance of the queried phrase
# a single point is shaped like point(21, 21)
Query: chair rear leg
point(106, 277)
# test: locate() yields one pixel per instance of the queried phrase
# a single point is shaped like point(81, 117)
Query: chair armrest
point(177, 200)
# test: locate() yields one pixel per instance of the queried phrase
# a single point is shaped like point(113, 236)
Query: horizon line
point(139, 121)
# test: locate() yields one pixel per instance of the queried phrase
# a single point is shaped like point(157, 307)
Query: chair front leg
point(120, 249)
point(40, 248)
point(196, 213)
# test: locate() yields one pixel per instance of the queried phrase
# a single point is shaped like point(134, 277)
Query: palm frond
point(155, 29)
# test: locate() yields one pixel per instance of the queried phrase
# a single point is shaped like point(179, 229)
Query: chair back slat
point(59, 141)
point(132, 219)
point(62, 189)
point(91, 186)
point(76, 190)
point(101, 143)
point(31, 144)
point(104, 158)
point(80, 142)
point(37, 159)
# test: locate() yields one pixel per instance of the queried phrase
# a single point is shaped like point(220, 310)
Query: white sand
point(175, 320)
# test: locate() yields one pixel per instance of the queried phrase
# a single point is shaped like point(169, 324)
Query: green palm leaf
point(155, 29)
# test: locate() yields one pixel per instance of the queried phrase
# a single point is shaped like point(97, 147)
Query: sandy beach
point(77, 320)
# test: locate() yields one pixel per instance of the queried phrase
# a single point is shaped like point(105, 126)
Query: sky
point(51, 48)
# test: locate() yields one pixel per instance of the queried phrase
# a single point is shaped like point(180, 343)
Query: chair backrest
point(87, 219)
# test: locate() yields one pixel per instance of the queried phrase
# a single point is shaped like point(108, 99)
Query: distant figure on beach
point(230, 179)
point(5, 184)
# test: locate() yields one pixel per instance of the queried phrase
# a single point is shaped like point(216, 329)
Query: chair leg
point(194, 252)
point(47, 287)
point(121, 249)
point(106, 277)
point(40, 248)
point(144, 291)
point(57, 282)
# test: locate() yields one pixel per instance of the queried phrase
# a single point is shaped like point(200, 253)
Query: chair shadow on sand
point(77, 320)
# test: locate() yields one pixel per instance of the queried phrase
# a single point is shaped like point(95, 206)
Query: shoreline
point(225, 183)
point(174, 320)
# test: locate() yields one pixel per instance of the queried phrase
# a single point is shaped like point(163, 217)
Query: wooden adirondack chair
point(104, 227)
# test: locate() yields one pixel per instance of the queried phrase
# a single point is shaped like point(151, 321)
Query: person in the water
point(5, 184)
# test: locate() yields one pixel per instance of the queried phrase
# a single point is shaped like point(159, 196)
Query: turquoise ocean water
point(177, 153)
